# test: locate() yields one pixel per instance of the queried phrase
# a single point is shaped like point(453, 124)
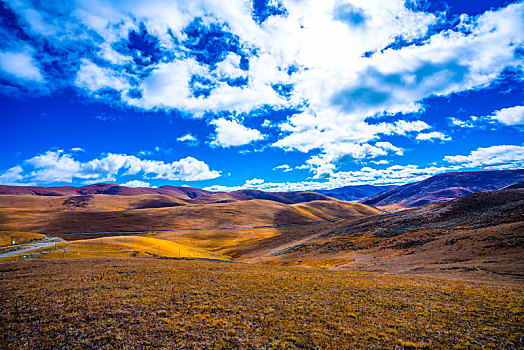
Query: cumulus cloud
point(435, 135)
point(231, 133)
point(266, 124)
point(463, 123)
point(188, 138)
point(58, 166)
point(500, 157)
point(340, 64)
point(337, 143)
point(510, 116)
point(380, 162)
point(284, 167)
point(393, 175)
point(136, 183)
point(20, 65)
point(12, 176)
point(94, 78)
point(398, 79)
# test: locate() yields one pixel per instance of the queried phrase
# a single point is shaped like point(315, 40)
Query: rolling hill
point(102, 188)
point(187, 194)
point(444, 187)
point(101, 212)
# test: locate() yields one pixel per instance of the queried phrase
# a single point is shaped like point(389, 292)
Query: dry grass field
point(139, 303)
point(118, 246)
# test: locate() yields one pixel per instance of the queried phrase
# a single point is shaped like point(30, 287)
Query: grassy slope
point(482, 233)
point(150, 303)
point(123, 246)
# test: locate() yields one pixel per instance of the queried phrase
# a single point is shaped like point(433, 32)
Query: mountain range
point(438, 188)
point(444, 187)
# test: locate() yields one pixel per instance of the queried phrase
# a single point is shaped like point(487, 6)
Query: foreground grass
point(154, 303)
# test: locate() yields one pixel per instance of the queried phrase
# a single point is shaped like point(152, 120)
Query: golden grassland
point(219, 240)
point(119, 246)
point(157, 303)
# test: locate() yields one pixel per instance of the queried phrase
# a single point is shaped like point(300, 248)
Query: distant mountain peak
point(446, 186)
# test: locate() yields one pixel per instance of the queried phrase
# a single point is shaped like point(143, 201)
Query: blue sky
point(272, 95)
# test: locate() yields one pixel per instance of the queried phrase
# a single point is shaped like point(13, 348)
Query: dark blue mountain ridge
point(354, 193)
point(446, 186)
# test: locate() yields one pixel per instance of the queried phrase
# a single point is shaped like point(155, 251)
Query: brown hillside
point(480, 233)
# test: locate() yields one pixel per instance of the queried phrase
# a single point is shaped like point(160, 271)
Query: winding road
point(28, 247)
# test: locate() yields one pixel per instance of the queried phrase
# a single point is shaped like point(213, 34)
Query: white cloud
point(397, 80)
point(188, 138)
point(266, 124)
point(20, 65)
point(54, 166)
point(136, 183)
point(463, 123)
point(321, 36)
point(338, 86)
point(380, 162)
point(222, 188)
point(12, 176)
point(393, 175)
point(388, 146)
point(435, 135)
point(94, 78)
point(57, 166)
point(284, 167)
point(500, 157)
point(168, 87)
point(231, 133)
point(335, 142)
point(253, 182)
point(510, 116)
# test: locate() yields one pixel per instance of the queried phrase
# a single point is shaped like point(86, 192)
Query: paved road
point(28, 247)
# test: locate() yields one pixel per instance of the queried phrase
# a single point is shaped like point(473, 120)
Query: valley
point(310, 271)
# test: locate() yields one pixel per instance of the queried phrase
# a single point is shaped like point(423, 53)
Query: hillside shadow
point(156, 203)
